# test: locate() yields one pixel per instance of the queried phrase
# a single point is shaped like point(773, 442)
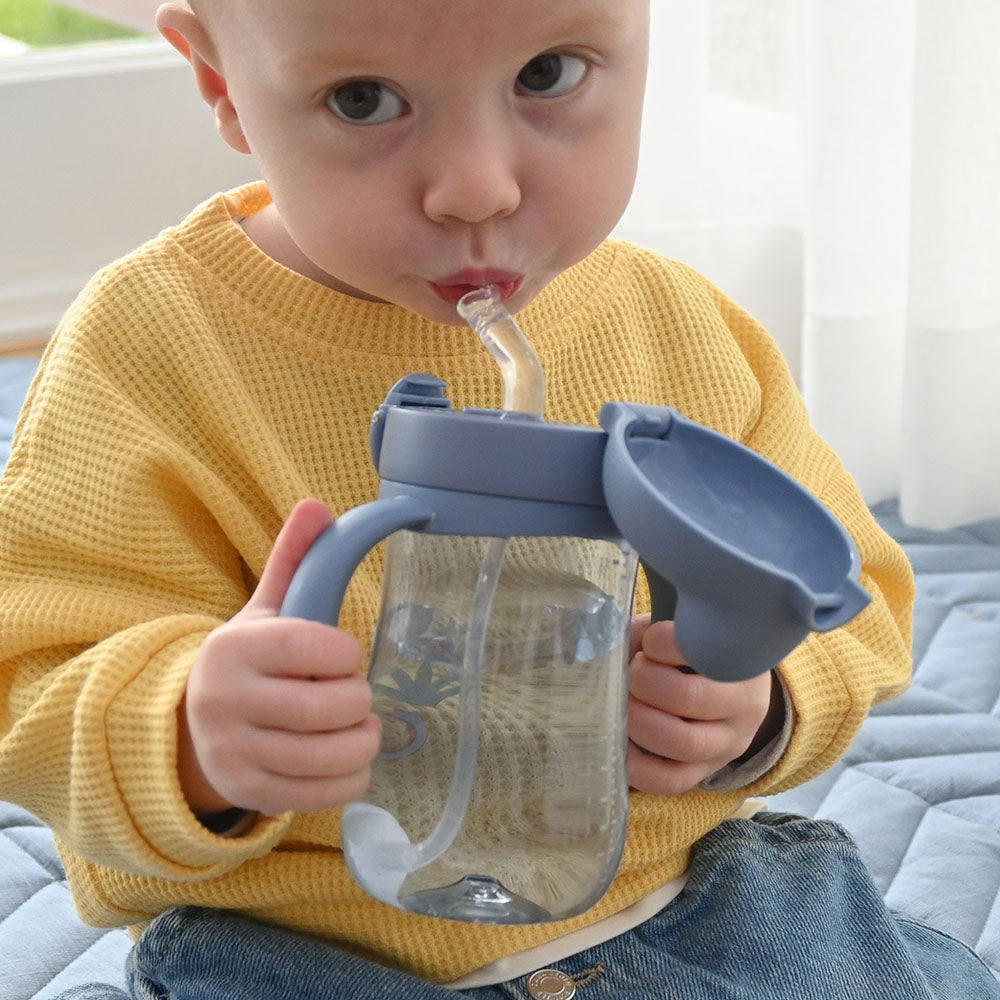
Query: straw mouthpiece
point(473, 305)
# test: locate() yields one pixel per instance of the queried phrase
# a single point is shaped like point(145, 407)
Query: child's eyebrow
point(580, 24)
point(325, 59)
point(597, 17)
point(593, 18)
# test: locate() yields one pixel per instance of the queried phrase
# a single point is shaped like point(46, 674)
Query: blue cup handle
point(320, 582)
point(662, 594)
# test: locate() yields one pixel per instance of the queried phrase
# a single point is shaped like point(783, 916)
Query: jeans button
point(551, 984)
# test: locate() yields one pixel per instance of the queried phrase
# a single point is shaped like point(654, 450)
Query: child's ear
point(185, 31)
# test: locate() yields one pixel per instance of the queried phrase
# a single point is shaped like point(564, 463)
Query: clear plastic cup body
point(516, 733)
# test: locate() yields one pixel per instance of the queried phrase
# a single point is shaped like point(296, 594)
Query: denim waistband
point(775, 907)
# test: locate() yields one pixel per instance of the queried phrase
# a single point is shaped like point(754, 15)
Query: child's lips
point(452, 288)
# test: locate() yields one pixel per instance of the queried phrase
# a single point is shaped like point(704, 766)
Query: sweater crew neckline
point(211, 235)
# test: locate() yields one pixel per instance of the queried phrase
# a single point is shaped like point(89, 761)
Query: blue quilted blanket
point(15, 377)
point(919, 789)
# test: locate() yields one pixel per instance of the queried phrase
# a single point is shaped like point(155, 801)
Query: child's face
point(417, 148)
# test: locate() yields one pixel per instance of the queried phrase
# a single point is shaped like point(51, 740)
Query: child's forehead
point(423, 16)
point(299, 40)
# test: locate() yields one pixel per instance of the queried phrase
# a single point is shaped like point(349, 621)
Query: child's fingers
point(683, 727)
point(281, 647)
point(307, 521)
point(271, 794)
point(293, 647)
point(661, 776)
point(673, 689)
point(676, 738)
point(273, 771)
point(668, 755)
point(659, 642)
point(318, 755)
point(639, 625)
point(305, 795)
point(302, 705)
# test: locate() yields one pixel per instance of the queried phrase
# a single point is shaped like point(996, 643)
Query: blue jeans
point(776, 907)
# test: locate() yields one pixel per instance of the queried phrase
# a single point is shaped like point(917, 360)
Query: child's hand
point(277, 715)
point(683, 727)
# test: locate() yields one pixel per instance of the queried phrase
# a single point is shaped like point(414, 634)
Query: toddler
point(190, 748)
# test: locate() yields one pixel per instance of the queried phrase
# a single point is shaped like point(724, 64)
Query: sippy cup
point(499, 660)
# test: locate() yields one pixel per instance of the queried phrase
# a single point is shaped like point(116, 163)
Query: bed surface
point(15, 377)
point(919, 789)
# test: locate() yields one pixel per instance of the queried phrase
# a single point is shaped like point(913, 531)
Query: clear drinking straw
point(523, 379)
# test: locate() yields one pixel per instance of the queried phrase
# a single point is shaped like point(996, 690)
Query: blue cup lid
point(417, 440)
point(744, 558)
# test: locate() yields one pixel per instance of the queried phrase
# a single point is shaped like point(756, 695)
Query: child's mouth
point(452, 288)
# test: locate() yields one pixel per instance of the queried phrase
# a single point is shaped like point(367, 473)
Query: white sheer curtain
point(835, 166)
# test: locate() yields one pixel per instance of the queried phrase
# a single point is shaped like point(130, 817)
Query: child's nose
point(472, 185)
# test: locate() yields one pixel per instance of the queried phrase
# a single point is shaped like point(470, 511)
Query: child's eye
point(551, 74)
point(365, 102)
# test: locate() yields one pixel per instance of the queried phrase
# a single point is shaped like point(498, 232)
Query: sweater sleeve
point(833, 679)
point(119, 551)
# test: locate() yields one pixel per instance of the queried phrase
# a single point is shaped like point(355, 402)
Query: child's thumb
point(307, 521)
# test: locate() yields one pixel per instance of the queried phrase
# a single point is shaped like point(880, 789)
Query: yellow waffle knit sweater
point(194, 392)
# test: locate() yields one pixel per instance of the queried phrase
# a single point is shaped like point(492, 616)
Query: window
point(35, 24)
point(104, 143)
